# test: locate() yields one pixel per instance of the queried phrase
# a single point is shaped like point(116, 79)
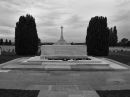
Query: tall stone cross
point(61, 41)
point(61, 37)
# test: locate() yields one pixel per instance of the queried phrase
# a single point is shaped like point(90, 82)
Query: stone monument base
point(38, 64)
point(63, 57)
point(90, 61)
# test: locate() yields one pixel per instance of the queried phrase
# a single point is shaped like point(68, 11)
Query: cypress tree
point(97, 39)
point(113, 38)
point(26, 38)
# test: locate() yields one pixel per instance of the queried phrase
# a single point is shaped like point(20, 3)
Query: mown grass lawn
point(5, 58)
point(18, 93)
point(123, 57)
point(114, 93)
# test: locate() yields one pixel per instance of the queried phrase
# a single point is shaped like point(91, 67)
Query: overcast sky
point(74, 15)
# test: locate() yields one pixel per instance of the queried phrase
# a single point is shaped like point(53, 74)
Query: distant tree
point(6, 42)
point(26, 38)
point(113, 38)
point(10, 42)
point(72, 43)
point(124, 42)
point(1, 41)
point(97, 39)
point(128, 43)
point(115, 35)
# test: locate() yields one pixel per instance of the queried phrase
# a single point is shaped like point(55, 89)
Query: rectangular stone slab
point(63, 50)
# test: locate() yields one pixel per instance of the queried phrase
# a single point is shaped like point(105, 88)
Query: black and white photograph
point(64, 48)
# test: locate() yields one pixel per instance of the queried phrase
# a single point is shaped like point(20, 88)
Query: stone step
point(57, 67)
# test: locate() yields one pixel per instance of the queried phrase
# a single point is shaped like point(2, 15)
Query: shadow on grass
point(114, 93)
point(6, 58)
point(120, 56)
point(18, 93)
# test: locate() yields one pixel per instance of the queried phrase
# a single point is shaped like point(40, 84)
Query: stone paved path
point(65, 83)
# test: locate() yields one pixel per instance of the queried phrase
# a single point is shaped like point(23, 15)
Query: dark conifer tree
point(113, 38)
point(97, 39)
point(10, 43)
point(26, 38)
point(128, 43)
point(1, 41)
point(6, 42)
point(124, 42)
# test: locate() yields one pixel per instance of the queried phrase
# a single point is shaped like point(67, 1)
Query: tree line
point(6, 42)
point(113, 39)
point(124, 42)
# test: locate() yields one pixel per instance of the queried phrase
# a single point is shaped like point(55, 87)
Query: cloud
point(122, 3)
point(74, 15)
point(6, 32)
point(122, 18)
point(75, 21)
point(49, 33)
point(48, 20)
point(123, 11)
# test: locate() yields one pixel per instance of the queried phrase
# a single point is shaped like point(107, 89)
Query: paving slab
point(60, 83)
point(52, 94)
point(64, 83)
point(115, 64)
point(57, 67)
point(39, 87)
point(66, 94)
